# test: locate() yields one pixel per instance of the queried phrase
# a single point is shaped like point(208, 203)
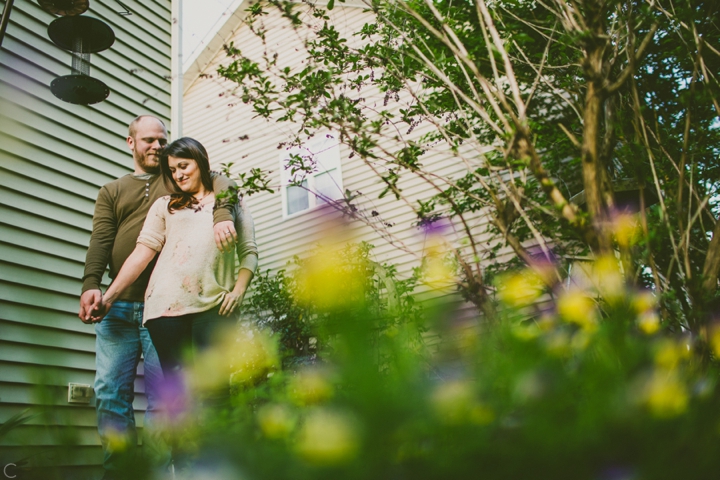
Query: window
point(318, 181)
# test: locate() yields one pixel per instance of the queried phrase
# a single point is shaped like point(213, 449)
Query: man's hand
point(89, 303)
point(225, 235)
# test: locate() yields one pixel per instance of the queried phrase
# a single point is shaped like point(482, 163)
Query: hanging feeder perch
point(64, 7)
point(81, 36)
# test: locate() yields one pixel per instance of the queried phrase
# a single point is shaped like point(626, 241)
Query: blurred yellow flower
point(669, 353)
point(715, 341)
point(644, 301)
point(576, 307)
point(665, 395)
point(455, 403)
point(328, 437)
point(117, 441)
point(211, 367)
point(235, 356)
point(253, 357)
point(608, 279)
point(546, 322)
point(326, 282)
point(311, 386)
point(649, 322)
point(276, 421)
point(437, 273)
point(626, 230)
point(519, 289)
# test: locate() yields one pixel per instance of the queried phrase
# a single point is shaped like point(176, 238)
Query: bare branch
point(634, 59)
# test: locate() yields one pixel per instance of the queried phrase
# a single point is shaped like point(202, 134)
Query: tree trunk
point(595, 95)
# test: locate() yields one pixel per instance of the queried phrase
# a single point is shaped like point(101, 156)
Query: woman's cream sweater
point(191, 274)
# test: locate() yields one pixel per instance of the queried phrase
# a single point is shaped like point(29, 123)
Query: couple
point(192, 290)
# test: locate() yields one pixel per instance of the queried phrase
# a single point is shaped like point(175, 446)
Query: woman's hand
point(100, 311)
point(230, 303)
point(233, 299)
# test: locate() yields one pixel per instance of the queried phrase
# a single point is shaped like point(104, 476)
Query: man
point(119, 215)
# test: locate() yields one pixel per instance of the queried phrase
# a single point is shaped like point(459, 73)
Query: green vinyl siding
point(54, 157)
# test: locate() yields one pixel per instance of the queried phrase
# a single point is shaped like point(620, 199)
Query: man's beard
point(147, 166)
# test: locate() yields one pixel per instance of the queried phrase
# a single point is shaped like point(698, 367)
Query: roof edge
point(214, 41)
point(201, 58)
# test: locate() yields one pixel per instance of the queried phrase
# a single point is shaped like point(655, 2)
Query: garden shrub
point(593, 387)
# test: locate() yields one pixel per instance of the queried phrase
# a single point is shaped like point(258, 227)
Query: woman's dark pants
point(173, 338)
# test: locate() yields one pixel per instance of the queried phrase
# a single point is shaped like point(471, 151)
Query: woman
point(193, 291)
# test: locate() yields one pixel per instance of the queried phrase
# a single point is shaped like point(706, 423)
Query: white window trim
point(332, 162)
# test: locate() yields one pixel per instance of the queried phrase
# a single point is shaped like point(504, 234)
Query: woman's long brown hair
point(190, 149)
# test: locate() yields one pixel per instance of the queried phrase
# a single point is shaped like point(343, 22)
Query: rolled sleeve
point(247, 250)
point(225, 209)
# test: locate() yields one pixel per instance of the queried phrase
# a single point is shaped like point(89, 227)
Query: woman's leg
point(172, 337)
point(211, 330)
point(209, 327)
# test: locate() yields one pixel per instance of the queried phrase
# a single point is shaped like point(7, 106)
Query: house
point(293, 219)
point(54, 156)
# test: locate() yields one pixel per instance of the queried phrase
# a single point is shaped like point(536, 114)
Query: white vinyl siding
point(54, 157)
point(231, 132)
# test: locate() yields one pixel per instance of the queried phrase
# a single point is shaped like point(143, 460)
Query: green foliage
point(584, 390)
point(274, 307)
point(285, 301)
point(575, 101)
point(249, 183)
point(555, 109)
point(14, 422)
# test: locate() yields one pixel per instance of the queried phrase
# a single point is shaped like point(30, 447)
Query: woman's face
point(186, 174)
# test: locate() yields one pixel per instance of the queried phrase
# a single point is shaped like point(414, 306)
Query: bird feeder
point(628, 196)
point(64, 7)
point(81, 36)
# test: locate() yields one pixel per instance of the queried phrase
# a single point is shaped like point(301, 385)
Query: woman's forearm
point(243, 281)
point(135, 264)
point(233, 299)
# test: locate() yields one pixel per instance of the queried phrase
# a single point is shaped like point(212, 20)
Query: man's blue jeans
point(120, 340)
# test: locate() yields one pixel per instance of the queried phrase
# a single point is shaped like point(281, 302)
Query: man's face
point(150, 137)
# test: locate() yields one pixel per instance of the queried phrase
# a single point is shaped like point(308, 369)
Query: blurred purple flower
point(173, 396)
point(542, 257)
point(435, 226)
